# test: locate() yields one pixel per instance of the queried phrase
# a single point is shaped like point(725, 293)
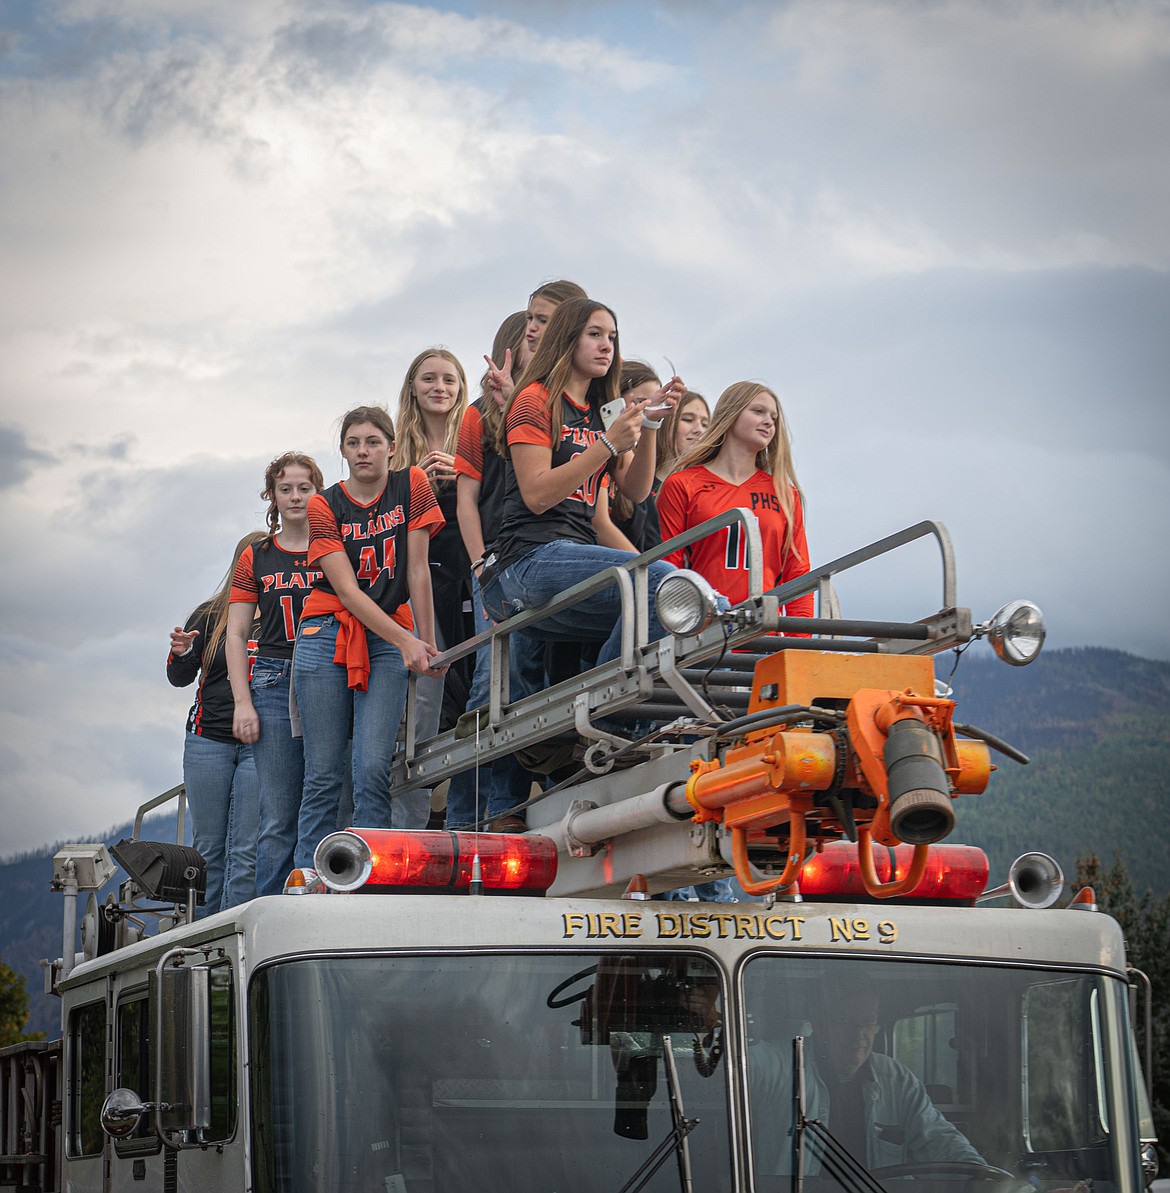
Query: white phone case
point(611, 410)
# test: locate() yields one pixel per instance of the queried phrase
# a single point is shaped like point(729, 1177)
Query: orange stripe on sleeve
point(244, 587)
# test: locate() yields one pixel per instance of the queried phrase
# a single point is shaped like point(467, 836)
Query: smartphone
point(611, 410)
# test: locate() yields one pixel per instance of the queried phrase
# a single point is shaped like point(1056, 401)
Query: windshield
point(932, 1074)
point(505, 1074)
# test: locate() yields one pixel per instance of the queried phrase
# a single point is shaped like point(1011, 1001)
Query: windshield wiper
point(676, 1137)
point(836, 1159)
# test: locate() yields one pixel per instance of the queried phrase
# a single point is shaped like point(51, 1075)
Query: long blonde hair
point(217, 606)
point(775, 459)
point(413, 447)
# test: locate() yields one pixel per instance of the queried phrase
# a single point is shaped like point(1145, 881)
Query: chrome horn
point(1035, 880)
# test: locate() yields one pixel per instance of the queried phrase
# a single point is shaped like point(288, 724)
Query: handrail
point(629, 680)
point(571, 596)
point(632, 582)
point(179, 792)
point(813, 579)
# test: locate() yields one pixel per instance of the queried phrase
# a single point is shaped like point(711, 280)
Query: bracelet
point(613, 451)
point(477, 563)
point(650, 424)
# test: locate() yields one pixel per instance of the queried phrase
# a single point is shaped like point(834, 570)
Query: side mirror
point(183, 1039)
point(121, 1113)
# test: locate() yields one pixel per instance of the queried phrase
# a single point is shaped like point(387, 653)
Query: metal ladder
point(664, 680)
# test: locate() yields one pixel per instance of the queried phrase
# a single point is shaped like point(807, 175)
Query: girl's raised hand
point(626, 429)
point(666, 399)
point(500, 379)
point(182, 640)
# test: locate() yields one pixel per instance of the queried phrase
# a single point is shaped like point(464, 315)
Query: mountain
point(31, 916)
point(1095, 722)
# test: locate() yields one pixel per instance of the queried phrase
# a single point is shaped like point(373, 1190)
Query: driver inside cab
point(871, 1104)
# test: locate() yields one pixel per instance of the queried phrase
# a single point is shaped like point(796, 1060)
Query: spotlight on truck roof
point(161, 871)
point(686, 603)
point(1016, 632)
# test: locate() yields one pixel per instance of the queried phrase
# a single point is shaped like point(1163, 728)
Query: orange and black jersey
point(696, 494)
point(211, 714)
point(481, 462)
point(373, 538)
point(529, 421)
point(277, 581)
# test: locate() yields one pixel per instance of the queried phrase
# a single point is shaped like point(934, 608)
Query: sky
point(937, 230)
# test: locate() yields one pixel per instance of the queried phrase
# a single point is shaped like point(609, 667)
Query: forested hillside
point(1096, 724)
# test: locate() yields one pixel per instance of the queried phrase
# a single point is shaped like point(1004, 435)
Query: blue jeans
point(504, 782)
point(223, 796)
point(546, 572)
point(719, 890)
point(280, 768)
point(327, 704)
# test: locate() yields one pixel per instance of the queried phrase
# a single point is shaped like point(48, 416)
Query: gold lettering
point(723, 920)
point(861, 930)
point(609, 924)
point(840, 930)
point(632, 923)
point(797, 922)
point(574, 922)
point(669, 924)
point(887, 931)
point(776, 926)
point(699, 926)
point(747, 927)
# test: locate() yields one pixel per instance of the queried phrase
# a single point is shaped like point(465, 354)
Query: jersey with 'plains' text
point(277, 582)
point(529, 421)
point(373, 538)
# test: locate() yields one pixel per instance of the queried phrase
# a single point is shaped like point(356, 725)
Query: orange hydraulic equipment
point(872, 757)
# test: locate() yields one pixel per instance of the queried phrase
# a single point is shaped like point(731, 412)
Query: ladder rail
point(630, 678)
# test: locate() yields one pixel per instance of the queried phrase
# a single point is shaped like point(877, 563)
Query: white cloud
point(938, 228)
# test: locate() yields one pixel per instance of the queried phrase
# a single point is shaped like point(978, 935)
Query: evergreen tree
point(1146, 924)
point(13, 1008)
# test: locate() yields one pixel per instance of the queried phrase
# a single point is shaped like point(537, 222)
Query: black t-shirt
point(529, 422)
point(211, 714)
point(278, 581)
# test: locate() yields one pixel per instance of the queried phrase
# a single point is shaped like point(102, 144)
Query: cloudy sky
point(938, 230)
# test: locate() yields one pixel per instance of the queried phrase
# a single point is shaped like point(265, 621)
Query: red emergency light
point(428, 861)
point(954, 873)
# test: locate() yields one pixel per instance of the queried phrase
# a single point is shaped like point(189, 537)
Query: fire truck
point(430, 1012)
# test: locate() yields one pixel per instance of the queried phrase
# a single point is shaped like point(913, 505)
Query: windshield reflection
point(930, 1074)
point(517, 1074)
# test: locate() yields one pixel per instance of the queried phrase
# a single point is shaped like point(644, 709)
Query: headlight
point(686, 603)
point(1016, 632)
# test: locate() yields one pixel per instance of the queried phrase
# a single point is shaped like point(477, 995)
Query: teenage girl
point(680, 432)
point(273, 576)
point(744, 458)
point(218, 769)
point(357, 637)
point(559, 453)
point(431, 405)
